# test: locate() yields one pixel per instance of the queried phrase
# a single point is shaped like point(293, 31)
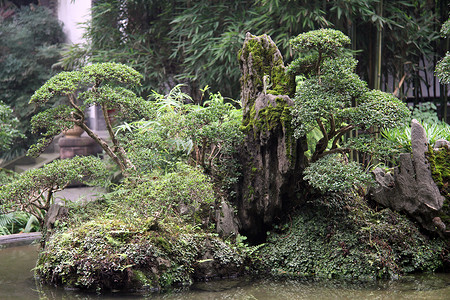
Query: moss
point(341, 237)
point(262, 53)
point(268, 118)
point(440, 170)
point(250, 193)
point(133, 241)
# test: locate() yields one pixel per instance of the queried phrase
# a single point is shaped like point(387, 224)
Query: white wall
point(71, 13)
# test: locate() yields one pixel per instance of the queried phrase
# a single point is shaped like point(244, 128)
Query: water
point(17, 282)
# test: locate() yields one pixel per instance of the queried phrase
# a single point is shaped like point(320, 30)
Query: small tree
point(33, 190)
point(333, 100)
point(97, 84)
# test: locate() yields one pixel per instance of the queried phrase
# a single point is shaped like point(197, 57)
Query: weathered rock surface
point(411, 188)
point(226, 221)
point(271, 157)
point(441, 143)
point(55, 212)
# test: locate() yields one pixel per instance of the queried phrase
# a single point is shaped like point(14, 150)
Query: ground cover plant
point(340, 236)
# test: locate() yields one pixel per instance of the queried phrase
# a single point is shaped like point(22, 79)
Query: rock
point(55, 212)
point(411, 189)
point(271, 157)
point(226, 223)
point(441, 143)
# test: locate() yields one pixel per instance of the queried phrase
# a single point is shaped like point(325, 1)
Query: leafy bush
point(332, 174)
point(29, 47)
point(207, 135)
point(186, 193)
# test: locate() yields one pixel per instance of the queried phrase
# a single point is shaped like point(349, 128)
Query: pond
point(17, 282)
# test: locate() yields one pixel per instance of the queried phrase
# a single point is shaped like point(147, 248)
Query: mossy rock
point(263, 70)
point(111, 254)
point(139, 238)
point(440, 171)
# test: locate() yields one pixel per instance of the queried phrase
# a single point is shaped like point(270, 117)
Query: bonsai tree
point(33, 191)
point(97, 84)
point(332, 101)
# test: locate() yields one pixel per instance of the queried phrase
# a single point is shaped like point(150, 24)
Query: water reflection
point(16, 282)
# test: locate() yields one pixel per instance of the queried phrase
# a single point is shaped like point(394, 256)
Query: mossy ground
point(341, 237)
point(440, 169)
point(138, 238)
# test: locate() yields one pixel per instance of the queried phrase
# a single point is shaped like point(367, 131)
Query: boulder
point(441, 143)
point(411, 188)
point(226, 221)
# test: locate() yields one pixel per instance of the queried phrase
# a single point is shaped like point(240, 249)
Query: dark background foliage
point(197, 41)
point(29, 46)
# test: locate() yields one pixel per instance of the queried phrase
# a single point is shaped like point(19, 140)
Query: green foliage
point(346, 239)
point(8, 127)
point(196, 42)
point(334, 174)
point(440, 171)
point(186, 193)
point(378, 109)
point(18, 222)
point(327, 42)
point(207, 135)
point(443, 66)
point(443, 69)
point(105, 82)
point(426, 114)
point(29, 47)
point(6, 176)
point(32, 191)
point(445, 29)
point(375, 150)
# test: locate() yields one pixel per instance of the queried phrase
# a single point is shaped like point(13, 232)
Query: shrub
point(33, 190)
point(331, 174)
point(332, 100)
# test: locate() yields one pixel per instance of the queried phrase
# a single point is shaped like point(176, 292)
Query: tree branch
point(336, 150)
point(340, 133)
